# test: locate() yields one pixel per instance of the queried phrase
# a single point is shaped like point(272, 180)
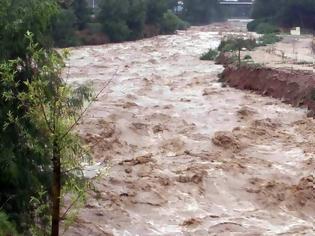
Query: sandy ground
point(293, 52)
point(186, 155)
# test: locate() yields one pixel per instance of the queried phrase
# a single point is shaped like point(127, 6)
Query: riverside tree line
point(121, 20)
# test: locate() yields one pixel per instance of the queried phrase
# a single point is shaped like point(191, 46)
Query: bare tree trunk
point(239, 58)
point(56, 190)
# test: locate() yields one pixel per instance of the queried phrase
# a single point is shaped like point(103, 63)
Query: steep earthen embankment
point(294, 87)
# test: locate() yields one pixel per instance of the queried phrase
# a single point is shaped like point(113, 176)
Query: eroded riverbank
point(188, 156)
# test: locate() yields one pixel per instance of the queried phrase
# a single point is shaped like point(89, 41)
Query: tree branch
point(45, 117)
point(71, 205)
point(89, 105)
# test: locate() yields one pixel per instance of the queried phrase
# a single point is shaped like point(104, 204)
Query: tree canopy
point(286, 13)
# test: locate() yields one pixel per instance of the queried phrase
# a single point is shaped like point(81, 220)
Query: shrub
point(113, 16)
point(233, 44)
point(268, 39)
point(247, 57)
point(183, 25)
point(210, 55)
point(63, 31)
point(251, 26)
point(262, 26)
point(266, 28)
point(237, 44)
point(155, 11)
point(6, 228)
point(170, 23)
point(117, 31)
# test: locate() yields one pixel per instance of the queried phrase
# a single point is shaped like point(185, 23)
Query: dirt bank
point(293, 87)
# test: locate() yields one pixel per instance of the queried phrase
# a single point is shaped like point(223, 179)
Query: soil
point(291, 53)
point(186, 155)
point(294, 87)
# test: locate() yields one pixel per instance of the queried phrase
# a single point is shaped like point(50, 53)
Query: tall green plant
point(54, 109)
point(16, 17)
point(24, 168)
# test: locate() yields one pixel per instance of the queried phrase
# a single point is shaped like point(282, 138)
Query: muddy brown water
point(186, 155)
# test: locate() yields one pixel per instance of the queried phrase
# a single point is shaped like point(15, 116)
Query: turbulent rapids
point(186, 155)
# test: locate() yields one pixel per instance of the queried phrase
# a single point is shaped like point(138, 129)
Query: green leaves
point(38, 110)
point(125, 19)
point(18, 17)
point(6, 228)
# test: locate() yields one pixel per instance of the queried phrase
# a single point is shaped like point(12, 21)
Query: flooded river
point(187, 155)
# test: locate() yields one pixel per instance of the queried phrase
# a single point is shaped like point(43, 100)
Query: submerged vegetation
point(210, 55)
point(267, 39)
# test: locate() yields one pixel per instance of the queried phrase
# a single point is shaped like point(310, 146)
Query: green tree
point(82, 13)
point(63, 28)
point(236, 44)
point(170, 23)
point(113, 16)
point(16, 17)
point(54, 109)
point(136, 18)
point(155, 11)
point(23, 168)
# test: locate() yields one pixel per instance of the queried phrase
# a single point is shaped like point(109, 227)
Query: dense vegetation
point(37, 108)
point(269, 15)
point(121, 20)
point(23, 169)
point(129, 19)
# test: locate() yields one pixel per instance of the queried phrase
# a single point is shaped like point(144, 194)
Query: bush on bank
point(210, 55)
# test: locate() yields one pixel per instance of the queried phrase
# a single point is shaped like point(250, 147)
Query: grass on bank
point(210, 55)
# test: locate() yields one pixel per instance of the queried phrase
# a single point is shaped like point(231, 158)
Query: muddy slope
point(293, 87)
point(187, 156)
